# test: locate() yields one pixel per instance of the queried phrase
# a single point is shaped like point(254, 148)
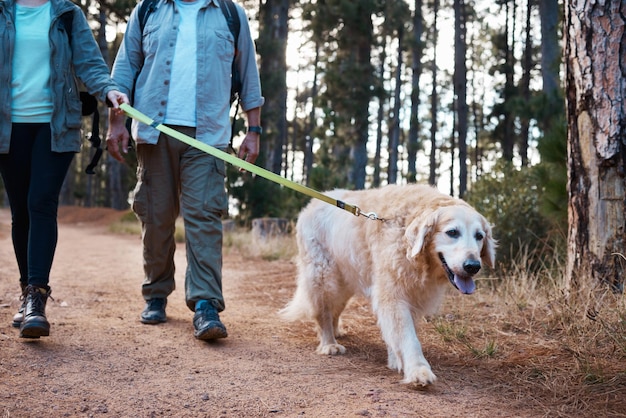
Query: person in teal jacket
point(46, 47)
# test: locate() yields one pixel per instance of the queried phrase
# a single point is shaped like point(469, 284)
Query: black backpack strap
point(90, 106)
point(232, 18)
point(95, 143)
point(145, 10)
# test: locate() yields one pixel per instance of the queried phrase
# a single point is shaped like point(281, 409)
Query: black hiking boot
point(207, 324)
point(35, 324)
point(154, 312)
point(19, 316)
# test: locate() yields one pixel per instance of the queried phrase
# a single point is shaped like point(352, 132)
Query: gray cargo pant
point(170, 174)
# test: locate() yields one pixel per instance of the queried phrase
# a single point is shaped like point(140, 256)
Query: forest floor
point(101, 361)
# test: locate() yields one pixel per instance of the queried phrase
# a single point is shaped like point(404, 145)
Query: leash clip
point(369, 215)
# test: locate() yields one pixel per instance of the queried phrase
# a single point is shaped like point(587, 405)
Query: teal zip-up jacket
point(81, 60)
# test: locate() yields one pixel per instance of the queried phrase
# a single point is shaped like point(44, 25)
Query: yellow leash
point(137, 115)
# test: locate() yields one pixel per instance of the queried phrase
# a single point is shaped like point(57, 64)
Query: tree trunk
point(308, 152)
point(66, 197)
point(460, 89)
point(272, 49)
point(550, 49)
point(432, 177)
point(508, 134)
point(595, 57)
point(551, 54)
point(380, 117)
point(527, 64)
point(361, 27)
point(394, 140)
point(416, 68)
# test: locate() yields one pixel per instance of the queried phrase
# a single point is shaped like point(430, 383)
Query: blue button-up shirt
point(147, 58)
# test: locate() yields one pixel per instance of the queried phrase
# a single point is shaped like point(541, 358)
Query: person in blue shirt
point(177, 70)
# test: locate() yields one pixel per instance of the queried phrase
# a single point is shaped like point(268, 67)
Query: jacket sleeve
point(130, 57)
point(246, 61)
point(89, 66)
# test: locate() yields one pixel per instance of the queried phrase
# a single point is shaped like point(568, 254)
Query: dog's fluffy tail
point(298, 308)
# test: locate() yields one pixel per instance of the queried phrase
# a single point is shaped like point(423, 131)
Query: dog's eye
point(453, 233)
point(479, 236)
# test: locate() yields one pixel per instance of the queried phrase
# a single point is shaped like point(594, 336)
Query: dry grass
point(273, 247)
point(563, 350)
point(129, 224)
point(270, 248)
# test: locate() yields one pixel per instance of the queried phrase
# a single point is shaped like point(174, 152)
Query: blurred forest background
point(465, 95)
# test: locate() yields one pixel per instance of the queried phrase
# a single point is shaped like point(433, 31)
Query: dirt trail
point(101, 361)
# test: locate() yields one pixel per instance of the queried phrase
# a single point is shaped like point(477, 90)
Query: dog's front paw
point(331, 349)
point(421, 376)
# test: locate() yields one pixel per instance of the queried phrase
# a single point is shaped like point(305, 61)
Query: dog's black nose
point(471, 266)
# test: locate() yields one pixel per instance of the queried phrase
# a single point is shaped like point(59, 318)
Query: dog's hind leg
point(326, 332)
point(329, 304)
point(337, 326)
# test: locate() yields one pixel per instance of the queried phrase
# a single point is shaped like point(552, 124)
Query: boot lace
point(38, 298)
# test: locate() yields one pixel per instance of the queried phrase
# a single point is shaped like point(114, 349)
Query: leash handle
point(269, 175)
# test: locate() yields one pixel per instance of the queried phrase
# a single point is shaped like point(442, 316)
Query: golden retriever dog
point(426, 242)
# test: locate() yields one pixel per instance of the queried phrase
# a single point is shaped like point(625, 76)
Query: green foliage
point(552, 172)
point(321, 178)
point(257, 197)
point(511, 200)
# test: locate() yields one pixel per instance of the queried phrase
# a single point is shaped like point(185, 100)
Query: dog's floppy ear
point(488, 253)
point(418, 232)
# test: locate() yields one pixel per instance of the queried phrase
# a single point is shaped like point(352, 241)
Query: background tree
point(395, 23)
point(505, 46)
point(416, 48)
point(596, 112)
point(460, 89)
point(434, 100)
point(272, 48)
point(383, 96)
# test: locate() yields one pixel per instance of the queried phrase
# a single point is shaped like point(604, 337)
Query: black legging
point(33, 176)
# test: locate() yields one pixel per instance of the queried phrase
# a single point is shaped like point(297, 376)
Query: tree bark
point(380, 117)
point(272, 48)
point(416, 69)
point(360, 31)
point(394, 137)
point(460, 89)
point(432, 176)
point(595, 54)
point(550, 49)
point(508, 133)
point(527, 67)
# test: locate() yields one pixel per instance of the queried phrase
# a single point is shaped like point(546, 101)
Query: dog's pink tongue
point(465, 284)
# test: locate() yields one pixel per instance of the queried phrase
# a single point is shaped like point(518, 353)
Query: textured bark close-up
point(595, 59)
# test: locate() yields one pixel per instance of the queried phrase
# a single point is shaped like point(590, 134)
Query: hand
point(249, 149)
point(117, 136)
point(116, 98)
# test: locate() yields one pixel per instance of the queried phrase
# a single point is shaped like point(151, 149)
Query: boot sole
point(211, 333)
point(152, 321)
point(35, 330)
